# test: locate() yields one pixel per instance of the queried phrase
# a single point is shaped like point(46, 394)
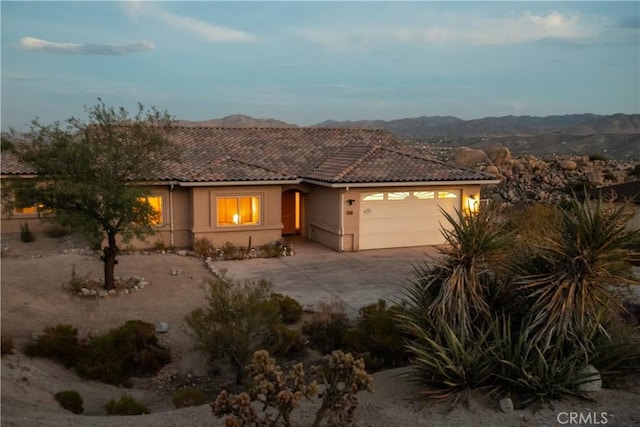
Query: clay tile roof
point(285, 154)
point(10, 165)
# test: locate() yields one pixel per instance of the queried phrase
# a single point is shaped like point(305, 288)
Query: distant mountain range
point(617, 135)
point(575, 124)
point(237, 121)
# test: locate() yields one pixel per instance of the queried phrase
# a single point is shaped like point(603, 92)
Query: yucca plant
point(449, 306)
point(450, 363)
point(574, 273)
point(460, 286)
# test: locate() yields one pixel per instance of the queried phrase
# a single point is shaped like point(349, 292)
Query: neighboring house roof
point(329, 156)
point(627, 192)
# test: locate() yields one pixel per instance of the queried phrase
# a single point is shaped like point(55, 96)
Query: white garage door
point(405, 218)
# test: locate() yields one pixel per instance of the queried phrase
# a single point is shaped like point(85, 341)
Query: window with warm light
point(156, 206)
point(26, 210)
point(424, 195)
point(447, 195)
point(372, 197)
point(240, 210)
point(398, 195)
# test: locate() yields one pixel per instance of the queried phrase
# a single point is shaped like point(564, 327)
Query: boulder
point(568, 165)
point(589, 379)
point(162, 327)
point(506, 405)
point(498, 154)
point(466, 157)
point(493, 170)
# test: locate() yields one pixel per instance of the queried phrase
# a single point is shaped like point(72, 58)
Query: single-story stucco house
point(348, 189)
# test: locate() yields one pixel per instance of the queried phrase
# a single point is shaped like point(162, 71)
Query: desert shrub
point(58, 342)
point(271, 250)
point(76, 283)
point(25, 234)
point(204, 247)
point(70, 400)
point(377, 333)
point(278, 392)
point(238, 320)
point(56, 231)
point(189, 396)
point(6, 346)
point(130, 350)
point(616, 349)
point(328, 328)
point(290, 309)
point(597, 156)
point(282, 341)
point(126, 405)
point(635, 171)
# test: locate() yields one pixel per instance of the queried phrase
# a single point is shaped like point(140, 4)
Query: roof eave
point(400, 183)
point(234, 183)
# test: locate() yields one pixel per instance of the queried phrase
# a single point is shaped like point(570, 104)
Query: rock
point(112, 292)
point(162, 327)
point(467, 157)
point(85, 292)
point(498, 154)
point(589, 379)
point(568, 165)
point(142, 284)
point(182, 252)
point(176, 272)
point(506, 405)
point(102, 293)
point(493, 170)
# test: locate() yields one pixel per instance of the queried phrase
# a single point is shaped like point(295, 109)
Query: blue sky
point(306, 62)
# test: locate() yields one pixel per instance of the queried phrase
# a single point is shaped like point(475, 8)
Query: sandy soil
point(34, 296)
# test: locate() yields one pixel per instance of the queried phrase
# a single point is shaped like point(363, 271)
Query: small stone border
point(123, 286)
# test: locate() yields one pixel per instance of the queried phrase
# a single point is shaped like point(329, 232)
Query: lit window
point(424, 195)
point(400, 195)
point(26, 210)
point(447, 195)
point(242, 210)
point(156, 205)
point(372, 197)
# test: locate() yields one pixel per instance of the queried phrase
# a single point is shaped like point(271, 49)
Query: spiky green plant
point(574, 273)
point(458, 287)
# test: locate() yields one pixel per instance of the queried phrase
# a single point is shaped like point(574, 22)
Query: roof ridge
point(372, 149)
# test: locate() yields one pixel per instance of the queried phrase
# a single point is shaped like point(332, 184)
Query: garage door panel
point(405, 222)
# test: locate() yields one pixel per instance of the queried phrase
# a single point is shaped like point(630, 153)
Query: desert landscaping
point(34, 296)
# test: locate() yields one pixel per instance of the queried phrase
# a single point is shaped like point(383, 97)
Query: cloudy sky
point(306, 62)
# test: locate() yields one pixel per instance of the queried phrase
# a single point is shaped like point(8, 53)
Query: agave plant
point(576, 272)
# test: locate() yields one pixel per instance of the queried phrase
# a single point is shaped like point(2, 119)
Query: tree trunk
point(109, 258)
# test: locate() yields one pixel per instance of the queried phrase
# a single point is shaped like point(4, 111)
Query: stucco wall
point(204, 216)
point(323, 215)
point(326, 206)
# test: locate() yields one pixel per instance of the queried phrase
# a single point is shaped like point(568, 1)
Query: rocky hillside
point(616, 136)
point(541, 179)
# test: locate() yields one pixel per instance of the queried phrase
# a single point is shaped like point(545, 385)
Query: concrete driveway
point(316, 273)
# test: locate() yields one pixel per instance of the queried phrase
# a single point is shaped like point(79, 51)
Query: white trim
point(402, 184)
point(236, 183)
